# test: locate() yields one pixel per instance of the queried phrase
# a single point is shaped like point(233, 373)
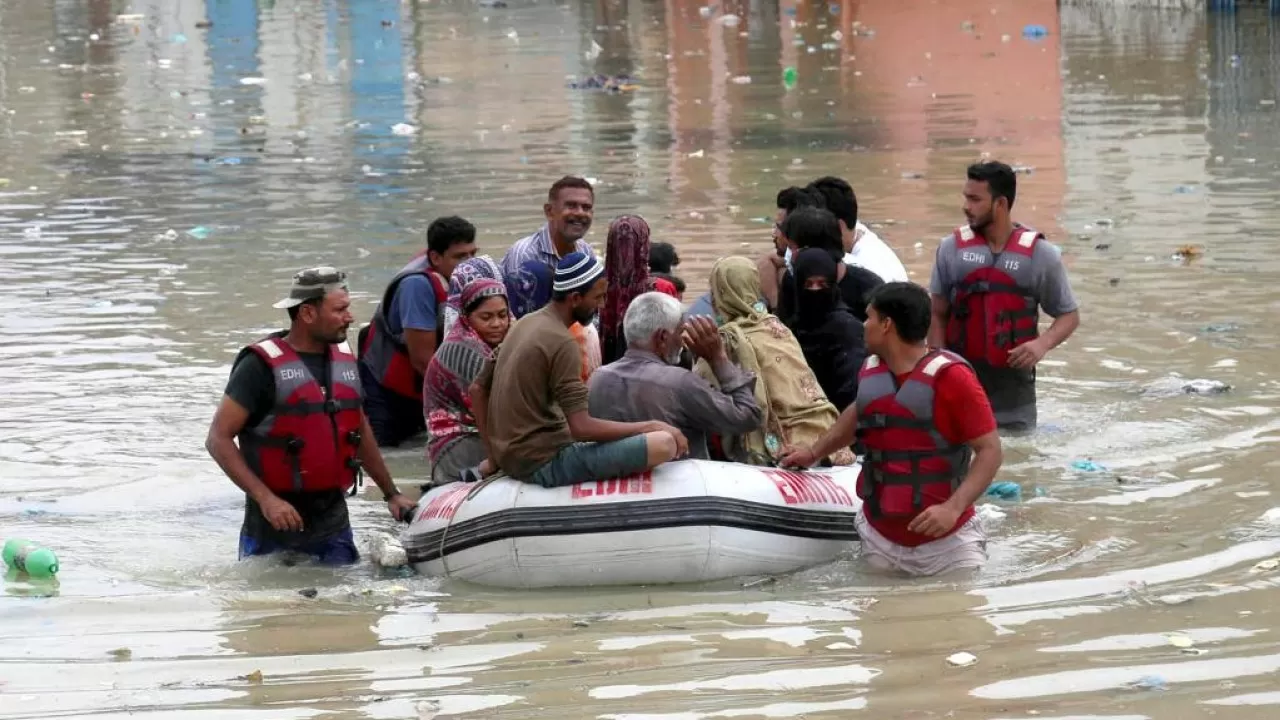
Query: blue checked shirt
point(537, 246)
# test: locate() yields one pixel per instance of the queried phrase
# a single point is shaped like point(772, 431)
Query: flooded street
point(168, 164)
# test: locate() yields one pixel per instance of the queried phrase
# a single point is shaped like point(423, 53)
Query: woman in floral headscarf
point(796, 411)
point(626, 270)
point(529, 289)
point(467, 272)
point(454, 444)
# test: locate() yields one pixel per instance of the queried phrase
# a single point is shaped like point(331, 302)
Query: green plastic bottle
point(26, 556)
point(789, 78)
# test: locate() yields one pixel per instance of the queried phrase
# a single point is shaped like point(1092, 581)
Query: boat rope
point(444, 536)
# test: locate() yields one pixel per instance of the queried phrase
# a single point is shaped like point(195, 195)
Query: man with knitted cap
point(530, 402)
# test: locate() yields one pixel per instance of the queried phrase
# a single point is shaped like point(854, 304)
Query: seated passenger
point(818, 228)
point(454, 443)
point(529, 290)
point(793, 403)
point(646, 383)
point(537, 428)
point(831, 338)
point(626, 272)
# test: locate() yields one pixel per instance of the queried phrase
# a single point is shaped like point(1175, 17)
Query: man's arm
point(841, 435)
point(941, 315)
point(422, 347)
point(228, 420)
point(415, 305)
point(585, 428)
point(939, 291)
point(731, 410)
point(371, 459)
point(570, 393)
point(479, 392)
point(988, 456)
point(1053, 291)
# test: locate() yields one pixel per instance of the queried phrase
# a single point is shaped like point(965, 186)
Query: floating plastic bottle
point(26, 556)
point(789, 78)
point(1034, 32)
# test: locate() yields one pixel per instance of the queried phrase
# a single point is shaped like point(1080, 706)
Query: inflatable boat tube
point(687, 521)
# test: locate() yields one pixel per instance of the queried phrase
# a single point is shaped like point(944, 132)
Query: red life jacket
point(993, 308)
point(906, 463)
point(388, 357)
point(307, 442)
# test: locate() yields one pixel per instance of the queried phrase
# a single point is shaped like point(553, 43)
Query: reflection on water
point(170, 163)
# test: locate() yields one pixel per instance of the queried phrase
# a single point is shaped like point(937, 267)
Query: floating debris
point(962, 659)
point(403, 129)
point(1034, 32)
point(1188, 252)
point(1005, 490)
point(1265, 566)
point(730, 20)
point(606, 83)
point(741, 80)
point(1177, 385)
point(253, 81)
point(1149, 682)
point(308, 592)
point(1179, 640)
point(1087, 466)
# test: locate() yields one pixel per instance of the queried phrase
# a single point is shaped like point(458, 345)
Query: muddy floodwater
point(167, 164)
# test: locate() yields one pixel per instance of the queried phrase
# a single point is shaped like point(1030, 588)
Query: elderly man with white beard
point(646, 383)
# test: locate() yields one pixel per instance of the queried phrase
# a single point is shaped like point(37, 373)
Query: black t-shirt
point(324, 513)
point(855, 290)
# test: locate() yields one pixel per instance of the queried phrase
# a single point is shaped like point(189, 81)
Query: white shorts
point(965, 548)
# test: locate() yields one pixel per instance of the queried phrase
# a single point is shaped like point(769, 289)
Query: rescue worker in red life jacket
point(927, 438)
point(397, 346)
point(293, 405)
point(990, 280)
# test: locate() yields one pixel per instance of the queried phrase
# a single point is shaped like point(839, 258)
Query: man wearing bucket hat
point(559, 443)
point(290, 431)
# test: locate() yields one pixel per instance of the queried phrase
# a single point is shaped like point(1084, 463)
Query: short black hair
point(839, 197)
point(673, 279)
point(792, 198)
point(293, 311)
point(909, 307)
point(445, 232)
point(811, 227)
point(569, 181)
point(1000, 178)
point(662, 257)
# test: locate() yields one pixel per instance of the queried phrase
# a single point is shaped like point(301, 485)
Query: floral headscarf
point(467, 272)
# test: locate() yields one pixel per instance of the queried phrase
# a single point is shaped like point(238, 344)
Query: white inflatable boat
point(687, 521)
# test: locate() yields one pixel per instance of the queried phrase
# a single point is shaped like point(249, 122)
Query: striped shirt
point(537, 246)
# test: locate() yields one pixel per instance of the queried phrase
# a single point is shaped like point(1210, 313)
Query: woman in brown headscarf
point(796, 411)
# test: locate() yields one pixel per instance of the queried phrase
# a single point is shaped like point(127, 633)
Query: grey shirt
point(639, 387)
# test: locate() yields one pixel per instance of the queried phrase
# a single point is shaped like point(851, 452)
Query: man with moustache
point(293, 405)
point(537, 427)
point(569, 209)
point(990, 280)
point(647, 382)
